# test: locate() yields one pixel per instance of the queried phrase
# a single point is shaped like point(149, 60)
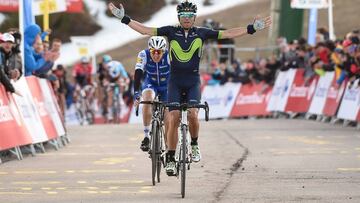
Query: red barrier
point(300, 96)
point(250, 101)
point(39, 100)
point(13, 131)
point(333, 98)
point(358, 116)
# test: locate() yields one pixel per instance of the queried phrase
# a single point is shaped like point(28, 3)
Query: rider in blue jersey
point(186, 42)
point(116, 75)
point(154, 63)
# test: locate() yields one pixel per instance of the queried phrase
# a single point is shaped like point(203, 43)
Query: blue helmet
point(106, 58)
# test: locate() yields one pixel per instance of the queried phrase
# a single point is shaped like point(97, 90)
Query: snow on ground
point(114, 34)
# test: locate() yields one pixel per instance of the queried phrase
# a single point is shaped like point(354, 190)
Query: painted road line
point(349, 169)
point(35, 172)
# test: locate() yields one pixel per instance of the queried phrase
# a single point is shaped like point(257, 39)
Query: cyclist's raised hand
point(117, 12)
point(261, 23)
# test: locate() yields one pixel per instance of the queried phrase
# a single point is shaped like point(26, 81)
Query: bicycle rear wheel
point(154, 147)
point(183, 152)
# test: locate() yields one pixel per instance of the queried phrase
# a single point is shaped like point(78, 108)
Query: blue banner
point(29, 18)
point(312, 26)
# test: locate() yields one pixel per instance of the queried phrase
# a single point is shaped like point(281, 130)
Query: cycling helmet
point(106, 58)
point(113, 69)
point(84, 59)
point(186, 6)
point(157, 42)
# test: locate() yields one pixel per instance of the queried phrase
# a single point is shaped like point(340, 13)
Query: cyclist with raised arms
point(154, 63)
point(186, 41)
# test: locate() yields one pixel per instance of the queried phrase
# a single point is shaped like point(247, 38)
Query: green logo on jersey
point(185, 55)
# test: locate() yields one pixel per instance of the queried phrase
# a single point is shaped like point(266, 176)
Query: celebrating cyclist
point(154, 63)
point(186, 41)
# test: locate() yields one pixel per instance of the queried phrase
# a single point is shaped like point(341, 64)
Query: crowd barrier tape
point(31, 118)
point(251, 100)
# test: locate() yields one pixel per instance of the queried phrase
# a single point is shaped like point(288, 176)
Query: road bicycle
point(157, 139)
point(183, 148)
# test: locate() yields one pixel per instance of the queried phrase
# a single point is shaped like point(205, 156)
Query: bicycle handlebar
point(183, 106)
point(147, 102)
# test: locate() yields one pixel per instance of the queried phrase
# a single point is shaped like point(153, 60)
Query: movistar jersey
point(185, 51)
point(156, 73)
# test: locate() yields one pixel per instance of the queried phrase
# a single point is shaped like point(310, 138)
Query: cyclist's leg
point(193, 96)
point(174, 95)
point(148, 94)
point(164, 98)
point(110, 116)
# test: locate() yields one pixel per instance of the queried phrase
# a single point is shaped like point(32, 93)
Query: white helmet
point(113, 69)
point(157, 42)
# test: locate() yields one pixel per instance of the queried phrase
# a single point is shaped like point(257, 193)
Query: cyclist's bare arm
point(258, 24)
point(133, 24)
point(140, 28)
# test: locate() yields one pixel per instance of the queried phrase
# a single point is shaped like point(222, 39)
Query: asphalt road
point(243, 161)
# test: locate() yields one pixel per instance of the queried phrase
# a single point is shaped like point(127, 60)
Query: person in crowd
point(33, 60)
point(11, 61)
point(7, 41)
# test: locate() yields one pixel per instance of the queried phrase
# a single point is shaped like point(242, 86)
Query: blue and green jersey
point(185, 51)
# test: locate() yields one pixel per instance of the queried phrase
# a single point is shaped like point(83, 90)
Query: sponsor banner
point(333, 98)
point(40, 103)
point(322, 88)
point(29, 112)
point(300, 95)
point(221, 99)
point(281, 90)
point(250, 101)
point(350, 103)
point(55, 6)
point(9, 5)
point(13, 131)
point(51, 107)
point(74, 6)
point(307, 4)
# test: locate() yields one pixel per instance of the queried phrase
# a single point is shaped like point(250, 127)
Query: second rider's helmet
point(157, 43)
point(186, 6)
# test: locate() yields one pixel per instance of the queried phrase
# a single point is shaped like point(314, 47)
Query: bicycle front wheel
point(183, 152)
point(154, 147)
